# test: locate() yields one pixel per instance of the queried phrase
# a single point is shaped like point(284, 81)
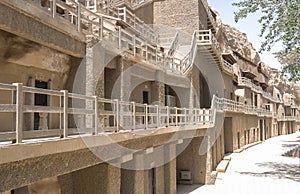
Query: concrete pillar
point(209, 163)
point(135, 181)
point(158, 92)
point(125, 90)
point(102, 178)
point(49, 185)
point(170, 169)
point(90, 83)
point(94, 76)
point(159, 179)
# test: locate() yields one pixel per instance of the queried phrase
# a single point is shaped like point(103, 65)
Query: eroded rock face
point(238, 41)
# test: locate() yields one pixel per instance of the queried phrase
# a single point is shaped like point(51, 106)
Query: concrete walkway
point(259, 170)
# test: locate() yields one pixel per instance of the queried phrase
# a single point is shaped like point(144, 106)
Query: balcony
point(227, 67)
point(133, 4)
point(91, 114)
point(233, 106)
point(286, 118)
point(243, 81)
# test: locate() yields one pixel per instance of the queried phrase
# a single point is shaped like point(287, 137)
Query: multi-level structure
point(128, 96)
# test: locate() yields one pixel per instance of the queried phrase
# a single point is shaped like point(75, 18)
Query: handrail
point(224, 104)
point(243, 81)
point(103, 115)
point(206, 37)
point(174, 45)
point(94, 115)
point(189, 59)
point(227, 66)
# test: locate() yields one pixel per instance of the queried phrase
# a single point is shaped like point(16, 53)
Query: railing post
point(19, 112)
point(101, 28)
point(125, 10)
point(65, 117)
point(117, 113)
point(185, 117)
point(95, 5)
point(134, 21)
point(158, 115)
point(53, 8)
point(120, 38)
point(78, 17)
point(146, 50)
point(176, 116)
point(134, 46)
point(156, 51)
point(146, 116)
point(133, 115)
point(168, 116)
point(96, 115)
point(210, 37)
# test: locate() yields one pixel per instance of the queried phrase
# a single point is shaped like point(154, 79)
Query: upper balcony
point(133, 4)
point(127, 18)
point(246, 82)
point(76, 114)
point(233, 106)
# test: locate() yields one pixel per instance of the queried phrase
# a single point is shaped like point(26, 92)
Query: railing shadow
point(278, 171)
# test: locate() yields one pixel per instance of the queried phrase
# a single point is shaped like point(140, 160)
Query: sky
point(249, 25)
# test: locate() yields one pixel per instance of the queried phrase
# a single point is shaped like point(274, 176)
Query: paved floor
point(259, 170)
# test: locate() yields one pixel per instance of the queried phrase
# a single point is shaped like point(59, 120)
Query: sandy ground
point(259, 170)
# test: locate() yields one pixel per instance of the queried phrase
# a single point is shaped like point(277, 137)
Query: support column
point(90, 83)
point(170, 169)
point(102, 178)
point(209, 162)
point(135, 181)
point(125, 91)
point(158, 92)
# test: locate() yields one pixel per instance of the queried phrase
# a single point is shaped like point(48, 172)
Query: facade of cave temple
point(129, 96)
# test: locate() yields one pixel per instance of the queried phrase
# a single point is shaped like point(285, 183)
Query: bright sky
point(249, 25)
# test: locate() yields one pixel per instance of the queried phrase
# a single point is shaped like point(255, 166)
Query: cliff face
point(238, 41)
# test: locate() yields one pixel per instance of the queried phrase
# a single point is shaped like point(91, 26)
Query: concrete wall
point(55, 33)
point(145, 13)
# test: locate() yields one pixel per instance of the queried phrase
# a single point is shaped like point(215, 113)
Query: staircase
point(211, 23)
point(105, 19)
point(209, 46)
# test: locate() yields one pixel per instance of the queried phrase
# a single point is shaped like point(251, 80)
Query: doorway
point(228, 143)
point(145, 97)
point(39, 100)
point(152, 181)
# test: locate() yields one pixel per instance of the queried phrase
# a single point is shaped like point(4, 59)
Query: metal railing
point(100, 6)
point(133, 4)
point(227, 66)
point(206, 37)
point(174, 45)
point(103, 27)
point(137, 24)
point(286, 118)
point(243, 81)
point(224, 104)
point(188, 61)
point(70, 113)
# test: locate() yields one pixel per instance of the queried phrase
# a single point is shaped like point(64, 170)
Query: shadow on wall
point(279, 171)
